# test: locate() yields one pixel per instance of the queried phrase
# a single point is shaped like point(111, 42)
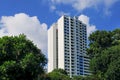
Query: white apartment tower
point(67, 43)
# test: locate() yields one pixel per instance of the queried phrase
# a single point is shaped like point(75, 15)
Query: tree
point(58, 74)
point(99, 41)
point(113, 72)
point(113, 63)
point(60, 71)
point(89, 77)
point(20, 59)
point(78, 78)
point(104, 51)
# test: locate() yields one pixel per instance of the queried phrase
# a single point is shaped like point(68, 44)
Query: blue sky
point(40, 14)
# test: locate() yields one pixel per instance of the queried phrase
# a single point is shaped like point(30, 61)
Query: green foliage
point(90, 77)
point(104, 51)
point(60, 71)
point(113, 72)
point(9, 71)
point(20, 59)
point(99, 40)
point(78, 78)
point(58, 74)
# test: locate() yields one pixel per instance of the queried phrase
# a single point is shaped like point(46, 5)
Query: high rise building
point(67, 43)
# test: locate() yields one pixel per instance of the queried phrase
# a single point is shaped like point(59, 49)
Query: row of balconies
point(86, 59)
point(78, 26)
point(80, 66)
point(80, 50)
point(66, 24)
point(86, 62)
point(66, 33)
point(77, 30)
point(66, 19)
point(87, 65)
point(79, 43)
point(72, 24)
point(81, 37)
point(73, 36)
point(77, 39)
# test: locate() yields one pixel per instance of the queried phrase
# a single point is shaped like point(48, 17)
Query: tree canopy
point(104, 51)
point(58, 74)
point(20, 59)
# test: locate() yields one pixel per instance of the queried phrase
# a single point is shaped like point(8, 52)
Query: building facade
point(67, 43)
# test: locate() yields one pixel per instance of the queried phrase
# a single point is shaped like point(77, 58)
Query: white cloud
point(62, 1)
point(60, 13)
point(24, 24)
point(108, 3)
point(52, 7)
point(86, 20)
point(84, 4)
